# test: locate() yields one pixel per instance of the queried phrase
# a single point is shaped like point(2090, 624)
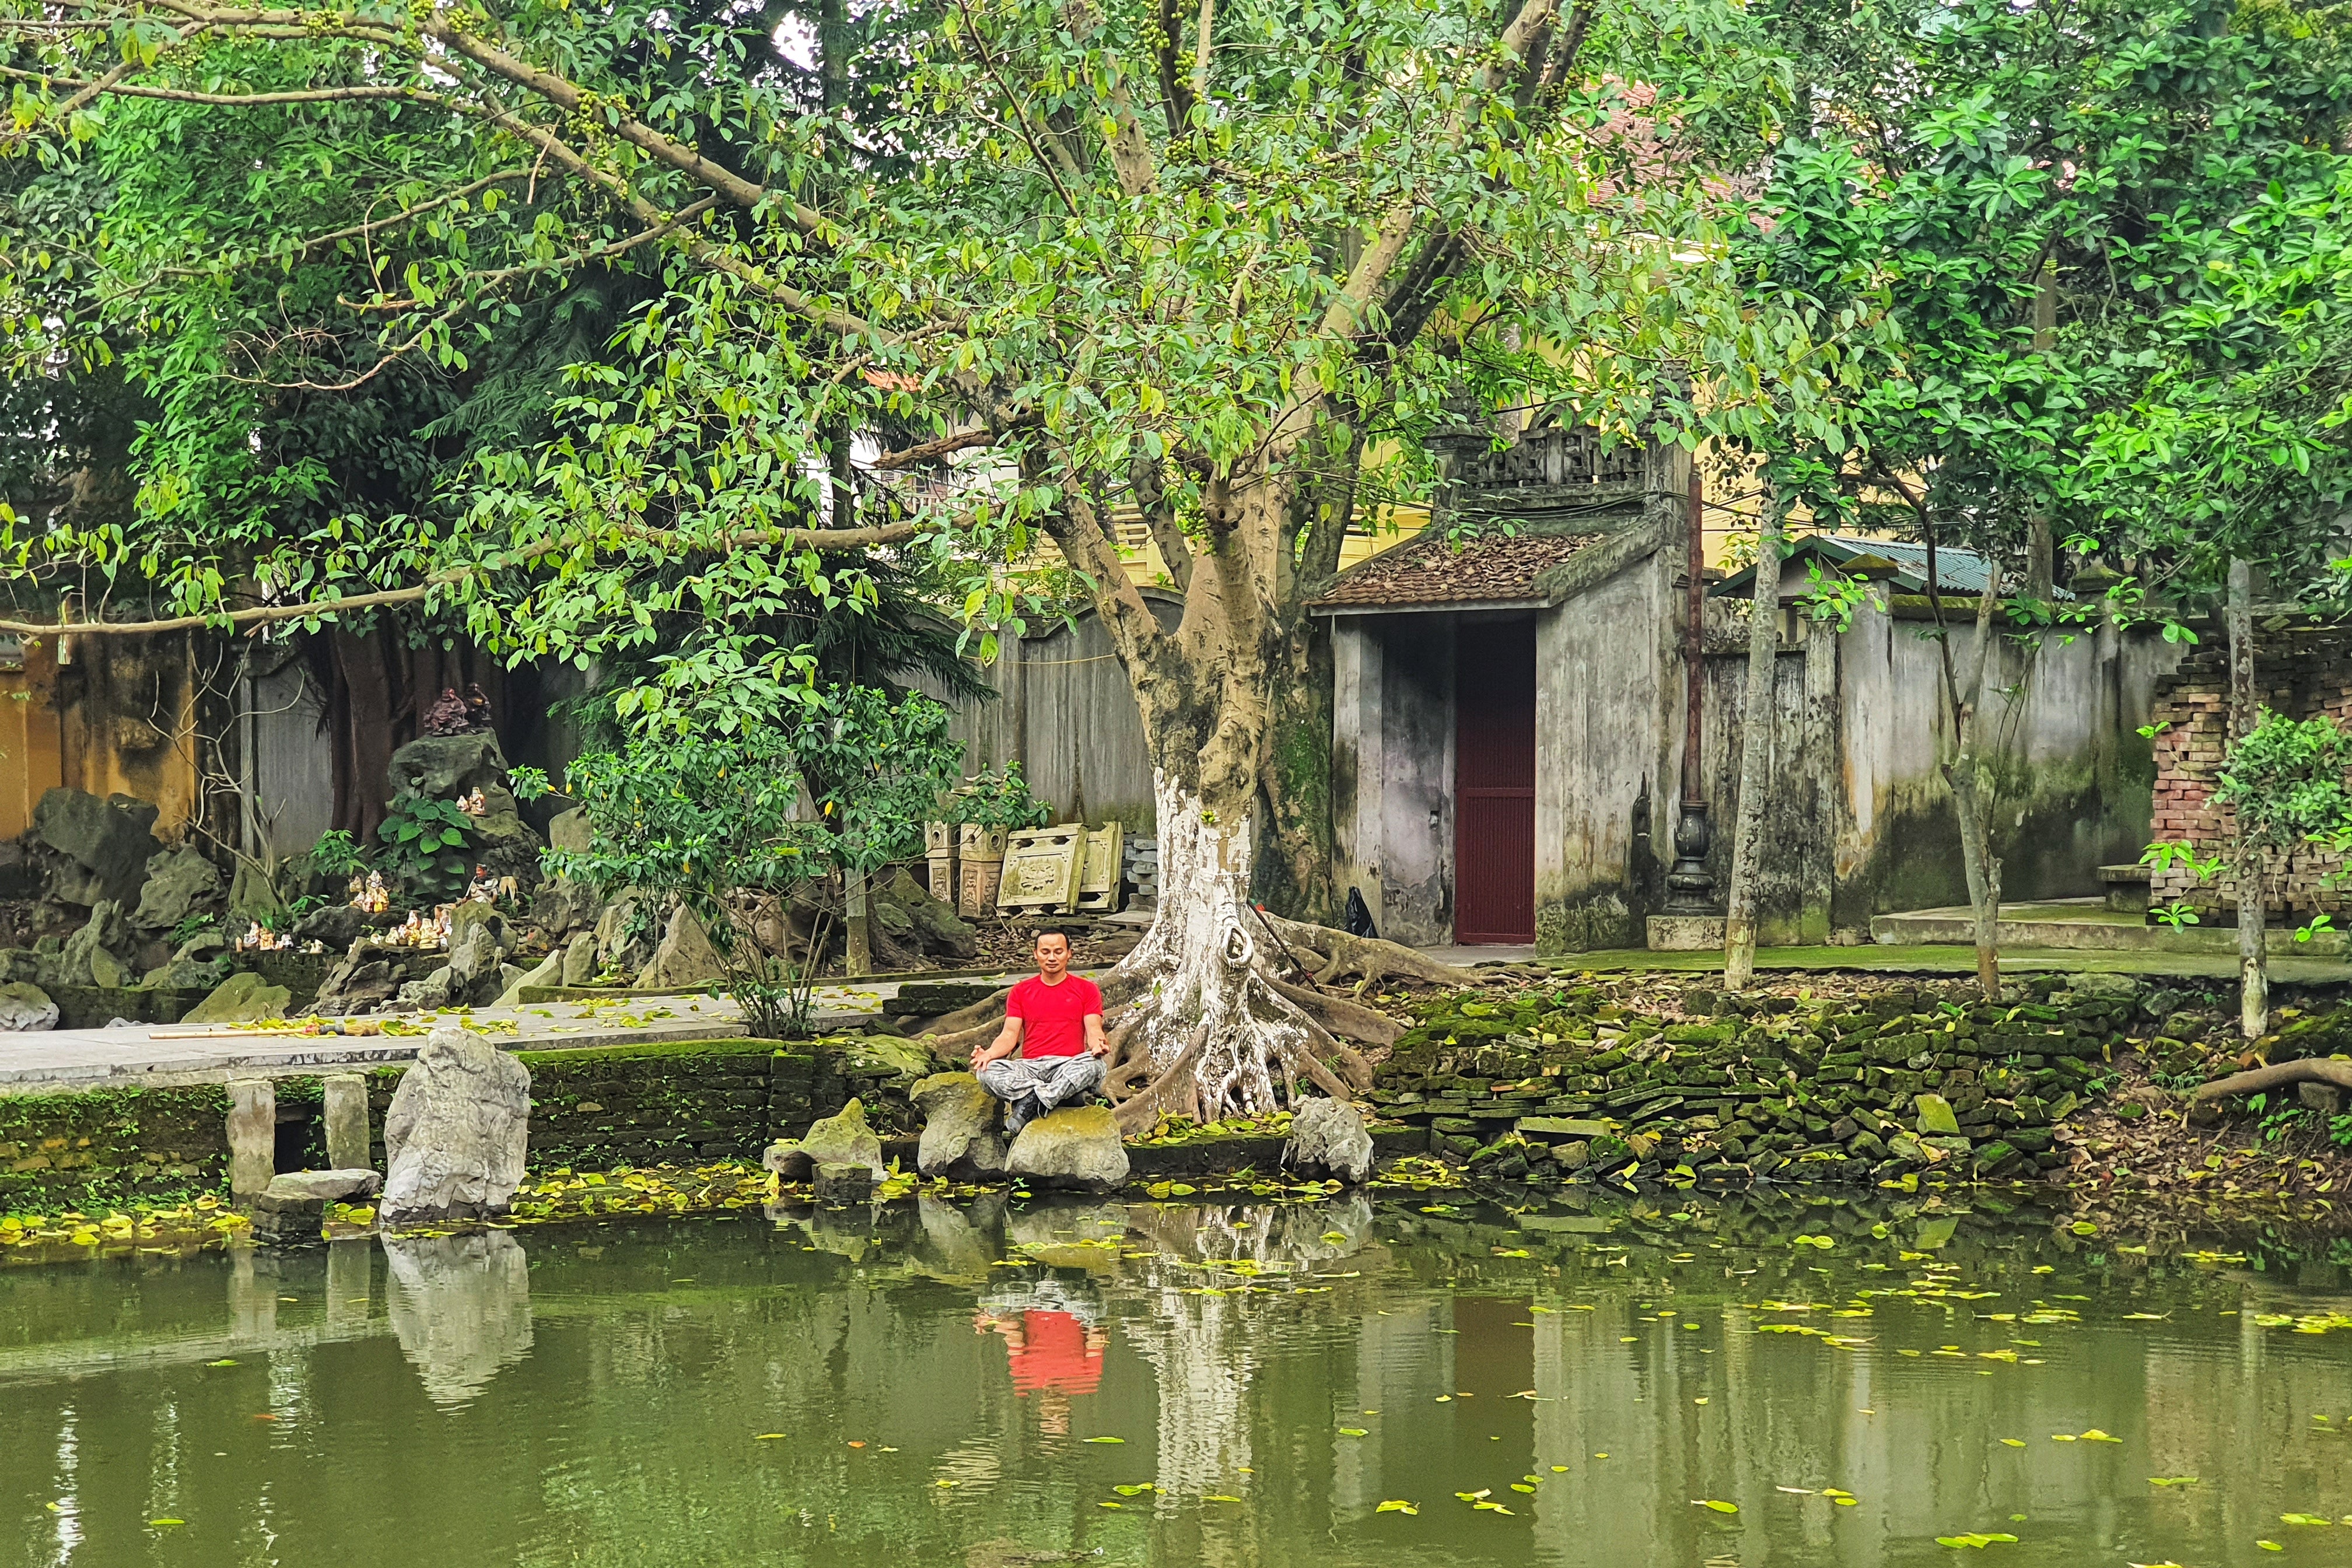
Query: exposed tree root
point(1370, 958)
point(2278, 1076)
point(1350, 1018)
point(1174, 1091)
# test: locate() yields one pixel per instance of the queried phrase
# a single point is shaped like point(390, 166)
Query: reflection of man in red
point(1053, 1354)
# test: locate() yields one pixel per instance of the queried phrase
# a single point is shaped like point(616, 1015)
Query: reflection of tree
point(461, 1307)
point(1203, 1345)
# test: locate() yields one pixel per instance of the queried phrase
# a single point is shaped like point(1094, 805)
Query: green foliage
point(426, 842)
point(2178, 916)
point(1000, 798)
point(193, 927)
point(2284, 781)
point(842, 779)
point(335, 854)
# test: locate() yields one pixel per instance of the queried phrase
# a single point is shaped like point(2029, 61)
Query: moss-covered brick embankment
point(1573, 1083)
point(101, 1149)
point(677, 1103)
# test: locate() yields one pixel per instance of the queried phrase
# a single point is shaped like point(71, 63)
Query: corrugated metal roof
point(1958, 571)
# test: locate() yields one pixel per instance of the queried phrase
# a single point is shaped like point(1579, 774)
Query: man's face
point(1053, 954)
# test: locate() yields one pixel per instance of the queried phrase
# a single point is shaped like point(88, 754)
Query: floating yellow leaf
point(1718, 1505)
point(1394, 1505)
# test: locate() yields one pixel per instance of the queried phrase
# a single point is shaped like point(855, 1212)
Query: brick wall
point(2302, 677)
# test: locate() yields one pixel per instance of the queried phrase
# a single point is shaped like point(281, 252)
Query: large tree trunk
point(1294, 873)
point(1755, 754)
point(2252, 892)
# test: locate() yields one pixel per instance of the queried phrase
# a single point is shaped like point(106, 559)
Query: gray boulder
point(180, 882)
point(112, 839)
point(24, 1007)
point(580, 959)
point(1328, 1137)
point(1075, 1150)
point(455, 1135)
point(474, 969)
point(336, 925)
point(250, 896)
point(356, 984)
point(94, 955)
point(963, 1129)
point(443, 767)
point(570, 831)
point(844, 1139)
point(627, 933)
point(685, 957)
point(549, 973)
point(240, 999)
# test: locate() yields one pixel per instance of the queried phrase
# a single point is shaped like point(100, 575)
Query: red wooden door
point(1494, 782)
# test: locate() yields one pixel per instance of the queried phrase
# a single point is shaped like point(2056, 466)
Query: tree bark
point(1755, 752)
point(858, 958)
point(2252, 892)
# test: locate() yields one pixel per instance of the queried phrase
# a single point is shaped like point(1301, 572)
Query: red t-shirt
point(1053, 1017)
point(1055, 1355)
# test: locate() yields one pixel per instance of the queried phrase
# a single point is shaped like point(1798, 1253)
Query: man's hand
point(1097, 1045)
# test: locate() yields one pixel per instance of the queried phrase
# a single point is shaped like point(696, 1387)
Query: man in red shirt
point(1055, 1019)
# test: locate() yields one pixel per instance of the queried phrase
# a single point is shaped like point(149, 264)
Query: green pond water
point(937, 1384)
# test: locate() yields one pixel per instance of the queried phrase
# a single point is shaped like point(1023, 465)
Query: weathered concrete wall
point(1416, 782)
point(1861, 820)
point(290, 779)
point(1358, 685)
point(1608, 719)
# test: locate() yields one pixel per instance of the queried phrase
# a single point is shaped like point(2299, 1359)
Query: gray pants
point(1031, 1087)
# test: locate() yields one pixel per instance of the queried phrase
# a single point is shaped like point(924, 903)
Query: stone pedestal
point(839, 1182)
point(1685, 934)
point(347, 1123)
point(252, 1136)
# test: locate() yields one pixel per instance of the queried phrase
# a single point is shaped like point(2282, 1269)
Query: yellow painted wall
point(31, 736)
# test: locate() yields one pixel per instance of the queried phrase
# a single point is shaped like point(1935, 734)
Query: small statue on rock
point(454, 715)
point(448, 715)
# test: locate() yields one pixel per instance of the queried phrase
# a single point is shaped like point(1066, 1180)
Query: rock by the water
point(24, 1007)
point(112, 839)
point(1328, 1137)
point(844, 1139)
point(580, 959)
point(787, 1160)
point(240, 999)
point(331, 1187)
point(842, 1182)
point(1076, 1149)
point(964, 1128)
point(455, 1137)
point(685, 957)
point(180, 882)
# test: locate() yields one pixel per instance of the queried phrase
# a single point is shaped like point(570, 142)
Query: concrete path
point(147, 1053)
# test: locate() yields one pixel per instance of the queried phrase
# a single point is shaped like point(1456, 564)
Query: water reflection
point(931, 1383)
point(460, 1307)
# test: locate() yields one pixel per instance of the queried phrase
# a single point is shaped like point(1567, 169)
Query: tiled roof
point(1431, 570)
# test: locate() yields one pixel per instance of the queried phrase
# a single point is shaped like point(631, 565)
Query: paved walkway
point(150, 1053)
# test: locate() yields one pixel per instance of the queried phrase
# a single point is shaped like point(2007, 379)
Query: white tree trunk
point(1755, 756)
point(1206, 1021)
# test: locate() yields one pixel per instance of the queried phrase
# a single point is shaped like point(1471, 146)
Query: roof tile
point(1431, 570)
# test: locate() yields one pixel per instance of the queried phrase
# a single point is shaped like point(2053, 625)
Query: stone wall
point(99, 1149)
point(2302, 677)
point(1568, 1084)
point(684, 1103)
